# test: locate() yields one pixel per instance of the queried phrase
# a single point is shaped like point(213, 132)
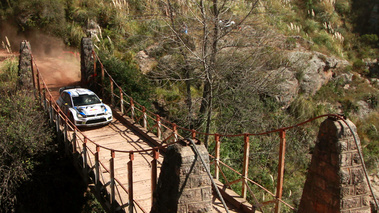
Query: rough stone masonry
point(25, 65)
point(335, 180)
point(183, 184)
point(86, 61)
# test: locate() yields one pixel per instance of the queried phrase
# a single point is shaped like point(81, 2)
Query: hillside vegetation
point(35, 174)
point(231, 66)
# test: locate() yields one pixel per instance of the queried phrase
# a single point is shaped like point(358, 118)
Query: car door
point(67, 104)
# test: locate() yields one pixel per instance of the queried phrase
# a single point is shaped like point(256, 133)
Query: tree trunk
point(189, 95)
point(206, 105)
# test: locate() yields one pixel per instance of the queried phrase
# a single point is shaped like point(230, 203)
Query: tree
point(220, 43)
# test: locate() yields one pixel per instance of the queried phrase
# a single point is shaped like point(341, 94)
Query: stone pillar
point(86, 62)
point(25, 80)
point(335, 180)
point(183, 184)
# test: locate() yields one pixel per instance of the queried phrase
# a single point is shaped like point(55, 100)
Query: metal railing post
point(245, 171)
point(132, 108)
point(43, 98)
point(175, 131)
point(65, 130)
point(57, 122)
point(121, 101)
point(51, 112)
point(112, 94)
point(102, 81)
point(217, 157)
point(154, 173)
point(94, 68)
point(84, 166)
point(97, 165)
point(279, 186)
point(34, 78)
point(159, 131)
point(74, 150)
point(130, 182)
point(38, 85)
point(144, 117)
point(65, 136)
point(112, 185)
point(193, 134)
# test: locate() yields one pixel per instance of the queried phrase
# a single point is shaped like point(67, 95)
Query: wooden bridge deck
point(115, 136)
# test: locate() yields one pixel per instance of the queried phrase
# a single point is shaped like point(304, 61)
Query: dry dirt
point(59, 72)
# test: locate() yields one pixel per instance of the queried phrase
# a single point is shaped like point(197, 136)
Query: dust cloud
point(59, 65)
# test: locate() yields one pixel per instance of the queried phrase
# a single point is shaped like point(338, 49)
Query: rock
point(363, 109)
point(145, 62)
point(288, 88)
point(317, 69)
point(345, 77)
point(367, 81)
point(375, 82)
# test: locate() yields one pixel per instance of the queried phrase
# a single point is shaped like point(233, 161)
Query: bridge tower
point(183, 185)
point(86, 62)
point(336, 179)
point(25, 80)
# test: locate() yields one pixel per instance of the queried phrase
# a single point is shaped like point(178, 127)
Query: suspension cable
point(363, 163)
point(209, 173)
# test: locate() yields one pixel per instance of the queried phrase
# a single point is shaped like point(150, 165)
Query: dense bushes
point(35, 173)
point(23, 137)
point(128, 76)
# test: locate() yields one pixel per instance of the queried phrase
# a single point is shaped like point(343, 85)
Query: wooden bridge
point(121, 161)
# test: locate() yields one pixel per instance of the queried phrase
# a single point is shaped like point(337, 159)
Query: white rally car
point(83, 107)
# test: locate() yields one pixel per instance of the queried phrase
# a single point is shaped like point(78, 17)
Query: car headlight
point(108, 112)
point(81, 115)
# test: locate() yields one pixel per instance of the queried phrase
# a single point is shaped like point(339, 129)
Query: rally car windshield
point(86, 100)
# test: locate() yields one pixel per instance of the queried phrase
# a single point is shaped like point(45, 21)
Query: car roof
point(75, 92)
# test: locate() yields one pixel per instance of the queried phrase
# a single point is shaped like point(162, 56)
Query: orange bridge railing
point(166, 133)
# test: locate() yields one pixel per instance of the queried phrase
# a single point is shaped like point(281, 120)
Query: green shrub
point(310, 26)
point(332, 92)
point(359, 66)
point(324, 40)
point(342, 7)
point(23, 135)
point(40, 14)
point(369, 39)
point(368, 132)
point(372, 100)
point(9, 70)
point(302, 108)
point(74, 35)
point(128, 76)
point(349, 106)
